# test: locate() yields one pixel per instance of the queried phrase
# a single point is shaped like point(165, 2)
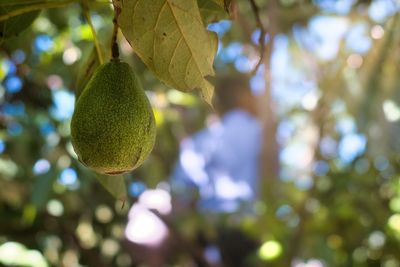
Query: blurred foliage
point(336, 100)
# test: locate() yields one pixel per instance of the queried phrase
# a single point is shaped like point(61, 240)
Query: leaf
point(219, 2)
point(86, 70)
point(115, 185)
point(211, 11)
point(13, 26)
point(225, 4)
point(170, 38)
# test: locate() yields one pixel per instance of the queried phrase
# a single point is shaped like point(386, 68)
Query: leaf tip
point(207, 91)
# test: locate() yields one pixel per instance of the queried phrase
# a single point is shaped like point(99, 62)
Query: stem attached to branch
point(261, 40)
point(114, 43)
point(86, 13)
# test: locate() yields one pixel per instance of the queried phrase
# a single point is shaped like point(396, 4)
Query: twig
point(36, 7)
point(114, 43)
point(261, 39)
point(86, 13)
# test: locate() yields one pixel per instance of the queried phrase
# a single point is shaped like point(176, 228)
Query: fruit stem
point(114, 43)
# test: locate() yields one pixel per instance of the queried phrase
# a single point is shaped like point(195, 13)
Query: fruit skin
point(113, 128)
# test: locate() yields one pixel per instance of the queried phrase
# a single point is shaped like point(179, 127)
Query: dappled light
point(294, 161)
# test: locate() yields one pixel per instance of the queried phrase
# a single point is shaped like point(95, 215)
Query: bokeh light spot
point(64, 103)
point(351, 146)
point(109, 247)
point(136, 188)
point(376, 240)
point(270, 250)
point(144, 227)
point(103, 214)
point(18, 56)
point(15, 254)
point(354, 61)
point(377, 32)
point(41, 166)
point(71, 55)
point(310, 100)
point(86, 234)
point(220, 27)
point(2, 146)
point(69, 178)
point(54, 82)
point(13, 84)
point(244, 64)
point(391, 110)
point(395, 204)
point(156, 199)
point(55, 208)
point(394, 222)
point(43, 43)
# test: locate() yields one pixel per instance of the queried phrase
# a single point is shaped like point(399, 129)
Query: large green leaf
point(171, 39)
point(14, 25)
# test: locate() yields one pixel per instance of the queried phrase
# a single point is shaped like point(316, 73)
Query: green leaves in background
point(171, 39)
point(115, 185)
point(14, 25)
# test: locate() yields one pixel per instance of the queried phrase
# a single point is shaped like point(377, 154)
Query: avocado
point(113, 128)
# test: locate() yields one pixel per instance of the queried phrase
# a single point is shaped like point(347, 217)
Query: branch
point(36, 7)
point(114, 43)
point(261, 39)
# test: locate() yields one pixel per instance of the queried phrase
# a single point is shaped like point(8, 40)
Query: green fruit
point(113, 128)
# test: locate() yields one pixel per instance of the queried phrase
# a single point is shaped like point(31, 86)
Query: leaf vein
point(187, 43)
point(172, 58)
point(155, 28)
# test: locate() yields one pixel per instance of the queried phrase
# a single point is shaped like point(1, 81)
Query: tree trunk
point(269, 165)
